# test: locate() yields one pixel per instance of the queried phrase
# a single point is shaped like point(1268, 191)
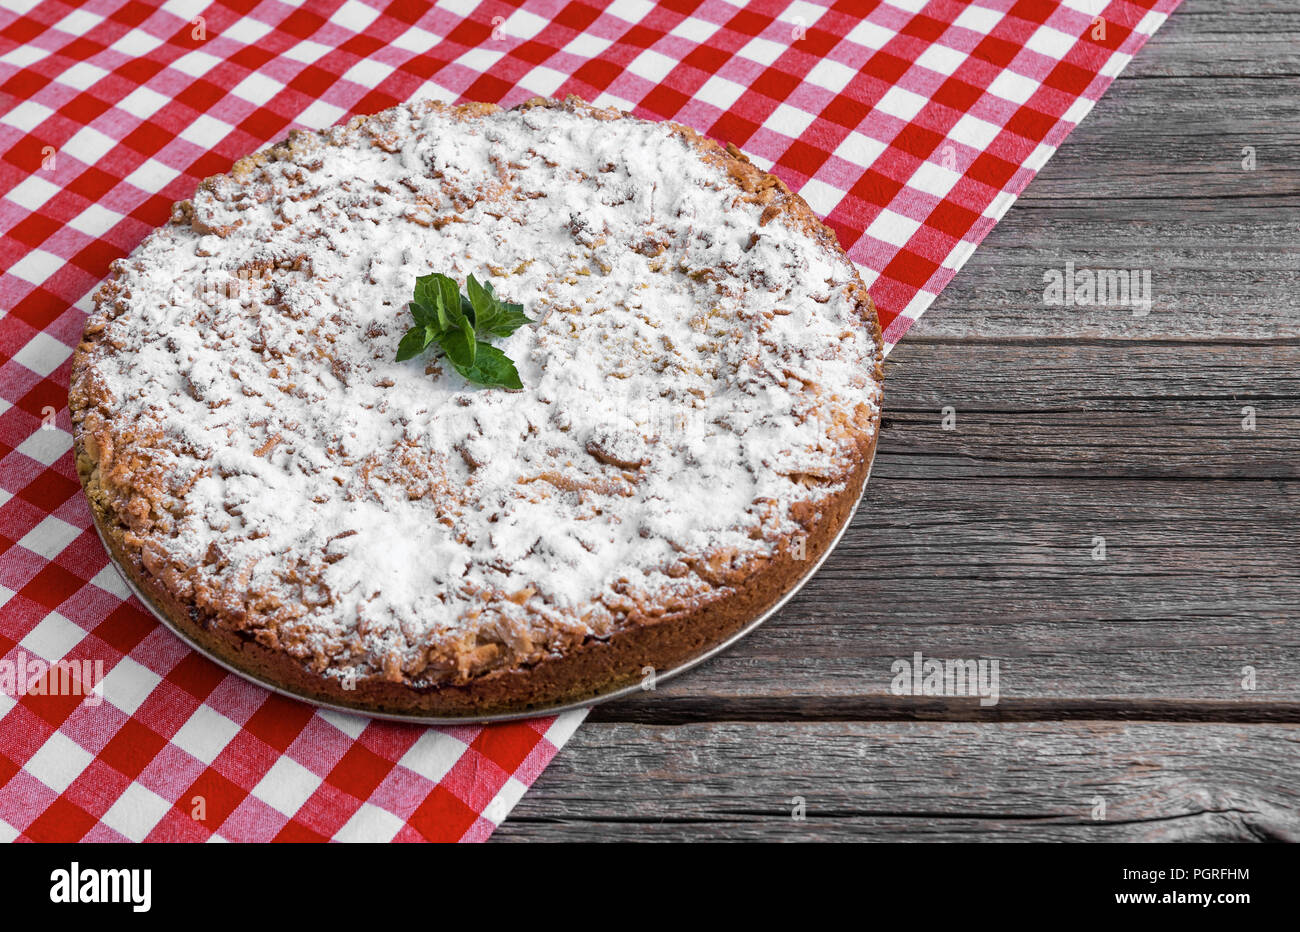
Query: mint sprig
point(457, 322)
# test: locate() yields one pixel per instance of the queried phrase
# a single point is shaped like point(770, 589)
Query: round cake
point(699, 395)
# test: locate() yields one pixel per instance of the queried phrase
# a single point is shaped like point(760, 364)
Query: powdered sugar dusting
point(694, 373)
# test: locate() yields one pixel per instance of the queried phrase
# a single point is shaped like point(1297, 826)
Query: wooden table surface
point(1126, 710)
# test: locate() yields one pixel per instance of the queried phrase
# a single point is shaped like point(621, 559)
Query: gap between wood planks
point(670, 711)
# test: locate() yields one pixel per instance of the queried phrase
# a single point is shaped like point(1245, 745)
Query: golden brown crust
point(580, 668)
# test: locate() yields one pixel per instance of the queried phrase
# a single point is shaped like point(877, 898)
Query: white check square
point(185, 9)
point(694, 30)
point(128, 684)
point(32, 192)
point(831, 75)
point(142, 102)
point(46, 444)
point(870, 35)
point(88, 145)
point(27, 116)
point(23, 56)
point(892, 228)
point(135, 43)
point(1013, 87)
point(37, 266)
point(152, 176)
point(53, 638)
point(349, 723)
point(136, 812)
point(820, 196)
point(1050, 42)
point(941, 59)
point(206, 131)
point(523, 25)
point(719, 92)
point(860, 150)
point(1114, 65)
point(257, 89)
point(652, 66)
point(433, 754)
point(43, 353)
point(510, 793)
point(901, 103)
point(196, 64)
point(630, 11)
point(479, 60)
point(788, 121)
point(306, 51)
point(370, 823)
point(286, 786)
point(78, 23)
point(1150, 22)
point(974, 132)
point(543, 81)
point(587, 46)
point(320, 115)
point(802, 13)
point(110, 580)
point(81, 75)
point(978, 19)
point(368, 73)
point(354, 16)
point(416, 40)
point(58, 762)
point(763, 51)
point(934, 179)
point(205, 734)
point(1077, 111)
point(246, 31)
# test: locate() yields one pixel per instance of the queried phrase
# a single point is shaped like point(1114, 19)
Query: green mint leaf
point(467, 330)
point(460, 348)
point(428, 290)
point(455, 321)
point(413, 343)
point(480, 295)
point(491, 314)
point(449, 294)
point(508, 319)
point(425, 316)
point(491, 368)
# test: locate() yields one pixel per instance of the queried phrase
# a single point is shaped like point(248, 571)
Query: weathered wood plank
point(918, 781)
point(1222, 410)
point(1226, 271)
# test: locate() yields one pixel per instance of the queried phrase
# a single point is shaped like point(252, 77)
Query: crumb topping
point(703, 371)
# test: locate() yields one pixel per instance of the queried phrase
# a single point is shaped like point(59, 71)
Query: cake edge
point(595, 668)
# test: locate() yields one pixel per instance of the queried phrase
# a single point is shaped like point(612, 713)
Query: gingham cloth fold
point(910, 125)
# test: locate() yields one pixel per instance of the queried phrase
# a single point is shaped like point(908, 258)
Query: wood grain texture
point(1124, 678)
point(910, 781)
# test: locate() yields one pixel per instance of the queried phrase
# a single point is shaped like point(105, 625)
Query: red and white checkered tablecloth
point(910, 125)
